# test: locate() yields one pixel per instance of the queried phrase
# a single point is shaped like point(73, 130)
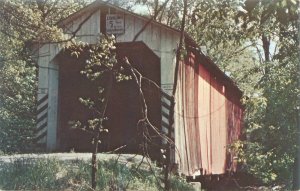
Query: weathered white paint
point(53, 106)
point(89, 30)
point(160, 39)
point(43, 62)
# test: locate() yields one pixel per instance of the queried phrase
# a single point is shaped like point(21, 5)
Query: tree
point(21, 24)
point(272, 108)
point(101, 69)
point(17, 92)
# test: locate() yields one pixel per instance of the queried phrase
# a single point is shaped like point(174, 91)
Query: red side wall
point(208, 117)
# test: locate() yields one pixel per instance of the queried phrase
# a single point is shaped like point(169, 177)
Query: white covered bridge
point(207, 114)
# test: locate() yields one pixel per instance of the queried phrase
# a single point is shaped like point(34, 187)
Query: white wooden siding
point(162, 41)
point(53, 106)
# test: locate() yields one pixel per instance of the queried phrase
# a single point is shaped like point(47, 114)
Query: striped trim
point(42, 124)
point(41, 127)
point(44, 134)
point(43, 108)
point(165, 114)
point(164, 124)
point(42, 117)
point(164, 104)
point(164, 94)
point(167, 123)
point(43, 99)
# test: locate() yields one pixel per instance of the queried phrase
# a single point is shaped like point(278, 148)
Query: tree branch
point(149, 21)
point(178, 54)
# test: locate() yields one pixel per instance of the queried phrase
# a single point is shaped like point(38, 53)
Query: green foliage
point(26, 174)
point(179, 183)
point(21, 24)
point(52, 174)
point(272, 124)
point(17, 106)
point(35, 20)
point(272, 104)
point(117, 176)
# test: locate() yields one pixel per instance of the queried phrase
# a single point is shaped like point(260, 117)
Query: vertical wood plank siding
point(207, 120)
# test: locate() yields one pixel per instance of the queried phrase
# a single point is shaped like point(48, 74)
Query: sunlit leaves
point(35, 20)
point(271, 120)
point(17, 106)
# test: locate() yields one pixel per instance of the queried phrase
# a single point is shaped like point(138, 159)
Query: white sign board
point(115, 24)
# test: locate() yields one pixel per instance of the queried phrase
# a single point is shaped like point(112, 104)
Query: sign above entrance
point(115, 24)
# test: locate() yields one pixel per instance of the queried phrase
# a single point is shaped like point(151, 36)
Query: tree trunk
point(266, 47)
point(94, 166)
point(178, 54)
point(97, 138)
point(296, 173)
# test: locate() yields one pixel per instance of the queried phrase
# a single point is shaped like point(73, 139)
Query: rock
point(196, 185)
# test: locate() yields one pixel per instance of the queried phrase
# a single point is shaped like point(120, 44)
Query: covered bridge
point(207, 114)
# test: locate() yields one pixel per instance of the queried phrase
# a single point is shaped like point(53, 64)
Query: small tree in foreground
point(104, 71)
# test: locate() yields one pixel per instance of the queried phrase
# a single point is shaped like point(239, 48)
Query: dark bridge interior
point(124, 107)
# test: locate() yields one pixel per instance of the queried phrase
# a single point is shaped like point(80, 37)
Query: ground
point(226, 183)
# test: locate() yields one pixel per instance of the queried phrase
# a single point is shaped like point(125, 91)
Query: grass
point(53, 174)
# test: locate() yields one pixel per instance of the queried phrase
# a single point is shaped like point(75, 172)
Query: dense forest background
point(255, 42)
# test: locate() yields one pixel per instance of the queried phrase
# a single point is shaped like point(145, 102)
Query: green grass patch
point(53, 174)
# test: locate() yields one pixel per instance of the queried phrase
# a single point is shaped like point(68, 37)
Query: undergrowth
point(53, 174)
